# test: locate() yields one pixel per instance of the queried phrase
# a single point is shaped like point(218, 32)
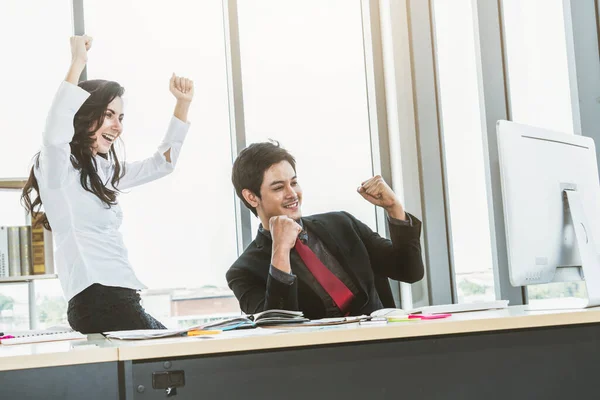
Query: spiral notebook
point(41, 335)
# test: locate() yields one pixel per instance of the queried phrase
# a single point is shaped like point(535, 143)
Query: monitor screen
point(536, 167)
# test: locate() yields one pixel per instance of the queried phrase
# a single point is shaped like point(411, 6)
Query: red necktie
point(341, 295)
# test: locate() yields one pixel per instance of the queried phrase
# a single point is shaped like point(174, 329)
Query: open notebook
point(41, 335)
point(269, 317)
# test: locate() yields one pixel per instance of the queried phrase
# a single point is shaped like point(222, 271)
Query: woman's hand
point(182, 88)
point(80, 45)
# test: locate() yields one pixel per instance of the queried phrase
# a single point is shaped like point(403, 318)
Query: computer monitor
point(551, 199)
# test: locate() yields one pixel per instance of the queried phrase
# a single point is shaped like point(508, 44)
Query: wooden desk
point(505, 354)
point(81, 369)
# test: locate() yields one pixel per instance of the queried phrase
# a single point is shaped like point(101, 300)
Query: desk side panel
point(71, 382)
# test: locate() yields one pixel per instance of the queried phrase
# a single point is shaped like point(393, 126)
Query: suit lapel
point(262, 241)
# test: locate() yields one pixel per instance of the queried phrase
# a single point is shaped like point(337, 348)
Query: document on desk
point(39, 336)
point(142, 334)
point(461, 307)
point(331, 321)
point(248, 333)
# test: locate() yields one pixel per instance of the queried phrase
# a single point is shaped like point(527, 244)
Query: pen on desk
point(373, 321)
point(404, 318)
point(200, 333)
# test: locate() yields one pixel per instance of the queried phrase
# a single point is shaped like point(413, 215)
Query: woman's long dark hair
point(87, 121)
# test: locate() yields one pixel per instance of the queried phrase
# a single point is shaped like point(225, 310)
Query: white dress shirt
point(89, 247)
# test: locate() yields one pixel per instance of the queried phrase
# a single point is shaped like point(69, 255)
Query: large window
point(180, 230)
point(540, 85)
point(304, 82)
point(536, 55)
point(33, 65)
point(463, 150)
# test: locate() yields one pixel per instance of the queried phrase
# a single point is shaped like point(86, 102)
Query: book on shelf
point(268, 317)
point(14, 251)
point(48, 253)
point(38, 256)
point(29, 248)
point(25, 249)
point(41, 246)
point(4, 271)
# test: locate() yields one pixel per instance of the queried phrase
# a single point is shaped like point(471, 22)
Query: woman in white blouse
point(77, 177)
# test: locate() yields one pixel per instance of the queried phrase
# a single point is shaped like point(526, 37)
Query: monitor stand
point(589, 261)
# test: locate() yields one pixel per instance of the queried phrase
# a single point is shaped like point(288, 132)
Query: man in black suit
point(325, 265)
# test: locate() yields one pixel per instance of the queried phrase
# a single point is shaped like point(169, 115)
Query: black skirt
point(106, 308)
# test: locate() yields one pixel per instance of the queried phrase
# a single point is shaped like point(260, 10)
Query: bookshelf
point(12, 183)
point(16, 184)
point(27, 278)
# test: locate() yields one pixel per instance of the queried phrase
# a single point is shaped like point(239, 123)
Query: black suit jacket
point(363, 254)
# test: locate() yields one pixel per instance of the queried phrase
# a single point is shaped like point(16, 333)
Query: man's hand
point(284, 232)
point(377, 192)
